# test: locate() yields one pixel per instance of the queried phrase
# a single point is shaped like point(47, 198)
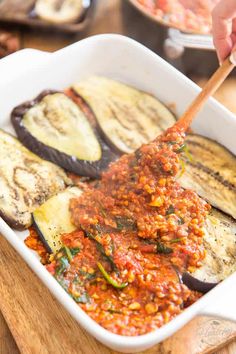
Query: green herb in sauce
point(63, 264)
point(109, 278)
point(182, 166)
point(102, 210)
point(180, 220)
point(161, 248)
point(86, 275)
point(74, 251)
point(181, 148)
point(175, 240)
point(82, 299)
point(184, 148)
point(77, 280)
point(170, 210)
point(114, 311)
point(68, 253)
point(188, 154)
point(64, 257)
point(101, 249)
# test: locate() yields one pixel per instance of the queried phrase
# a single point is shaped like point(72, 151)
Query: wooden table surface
point(34, 311)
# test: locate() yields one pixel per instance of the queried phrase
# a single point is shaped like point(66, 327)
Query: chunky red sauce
point(34, 243)
point(136, 230)
point(188, 15)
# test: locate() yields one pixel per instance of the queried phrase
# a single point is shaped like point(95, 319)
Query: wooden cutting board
point(39, 324)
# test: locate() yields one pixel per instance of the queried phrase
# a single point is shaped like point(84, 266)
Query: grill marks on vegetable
point(26, 182)
point(220, 244)
point(84, 134)
point(211, 173)
point(214, 174)
point(127, 117)
point(209, 146)
point(119, 112)
point(57, 129)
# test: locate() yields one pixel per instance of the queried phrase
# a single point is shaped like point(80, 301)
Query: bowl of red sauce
point(191, 16)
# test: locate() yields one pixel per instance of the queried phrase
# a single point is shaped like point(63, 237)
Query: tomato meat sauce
point(34, 243)
point(188, 15)
point(136, 231)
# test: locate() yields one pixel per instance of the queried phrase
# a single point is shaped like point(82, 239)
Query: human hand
point(224, 27)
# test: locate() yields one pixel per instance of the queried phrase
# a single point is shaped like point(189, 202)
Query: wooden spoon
point(209, 89)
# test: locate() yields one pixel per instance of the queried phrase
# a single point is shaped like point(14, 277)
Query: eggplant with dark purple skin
point(54, 127)
point(26, 182)
point(220, 245)
point(127, 117)
point(211, 172)
point(196, 284)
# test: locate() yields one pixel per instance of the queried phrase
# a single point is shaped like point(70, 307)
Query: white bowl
point(26, 73)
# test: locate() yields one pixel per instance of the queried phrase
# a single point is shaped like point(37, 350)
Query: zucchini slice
point(26, 182)
point(211, 172)
point(54, 127)
point(52, 219)
point(126, 116)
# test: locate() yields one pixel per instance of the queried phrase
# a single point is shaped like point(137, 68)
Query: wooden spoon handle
point(209, 89)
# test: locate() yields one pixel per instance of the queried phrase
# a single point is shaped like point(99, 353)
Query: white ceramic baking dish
point(24, 74)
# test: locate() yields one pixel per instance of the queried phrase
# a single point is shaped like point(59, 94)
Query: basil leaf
point(161, 248)
point(170, 210)
point(75, 251)
point(63, 264)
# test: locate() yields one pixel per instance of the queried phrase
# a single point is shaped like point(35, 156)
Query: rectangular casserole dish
point(26, 73)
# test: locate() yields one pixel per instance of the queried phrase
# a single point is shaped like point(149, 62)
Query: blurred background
point(178, 30)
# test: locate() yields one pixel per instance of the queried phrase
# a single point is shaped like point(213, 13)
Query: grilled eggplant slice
point(26, 181)
point(196, 284)
point(127, 117)
point(55, 128)
point(52, 219)
point(220, 244)
point(59, 11)
point(211, 172)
